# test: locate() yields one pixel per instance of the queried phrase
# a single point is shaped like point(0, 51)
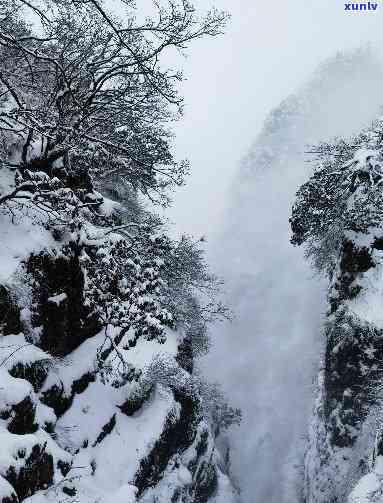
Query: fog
point(247, 165)
point(269, 50)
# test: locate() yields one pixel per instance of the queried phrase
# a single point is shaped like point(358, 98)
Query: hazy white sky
point(270, 48)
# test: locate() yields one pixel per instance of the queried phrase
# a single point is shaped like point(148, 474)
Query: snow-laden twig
point(13, 352)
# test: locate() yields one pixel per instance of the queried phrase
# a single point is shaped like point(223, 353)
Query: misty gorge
point(279, 300)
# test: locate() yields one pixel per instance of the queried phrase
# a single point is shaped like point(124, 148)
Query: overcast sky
point(270, 49)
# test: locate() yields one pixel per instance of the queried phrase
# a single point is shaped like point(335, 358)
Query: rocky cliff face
point(338, 215)
point(130, 430)
point(345, 426)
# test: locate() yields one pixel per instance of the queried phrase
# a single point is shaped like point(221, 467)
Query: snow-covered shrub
point(342, 196)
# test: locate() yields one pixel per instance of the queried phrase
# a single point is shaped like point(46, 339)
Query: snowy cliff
point(102, 314)
point(92, 411)
point(338, 216)
point(278, 301)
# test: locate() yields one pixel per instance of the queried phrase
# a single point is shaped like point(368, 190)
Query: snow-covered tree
point(85, 93)
point(101, 313)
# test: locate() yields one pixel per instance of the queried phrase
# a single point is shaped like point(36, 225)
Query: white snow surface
point(13, 390)
point(15, 349)
point(368, 305)
point(18, 240)
point(117, 457)
point(6, 490)
point(58, 299)
point(370, 487)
